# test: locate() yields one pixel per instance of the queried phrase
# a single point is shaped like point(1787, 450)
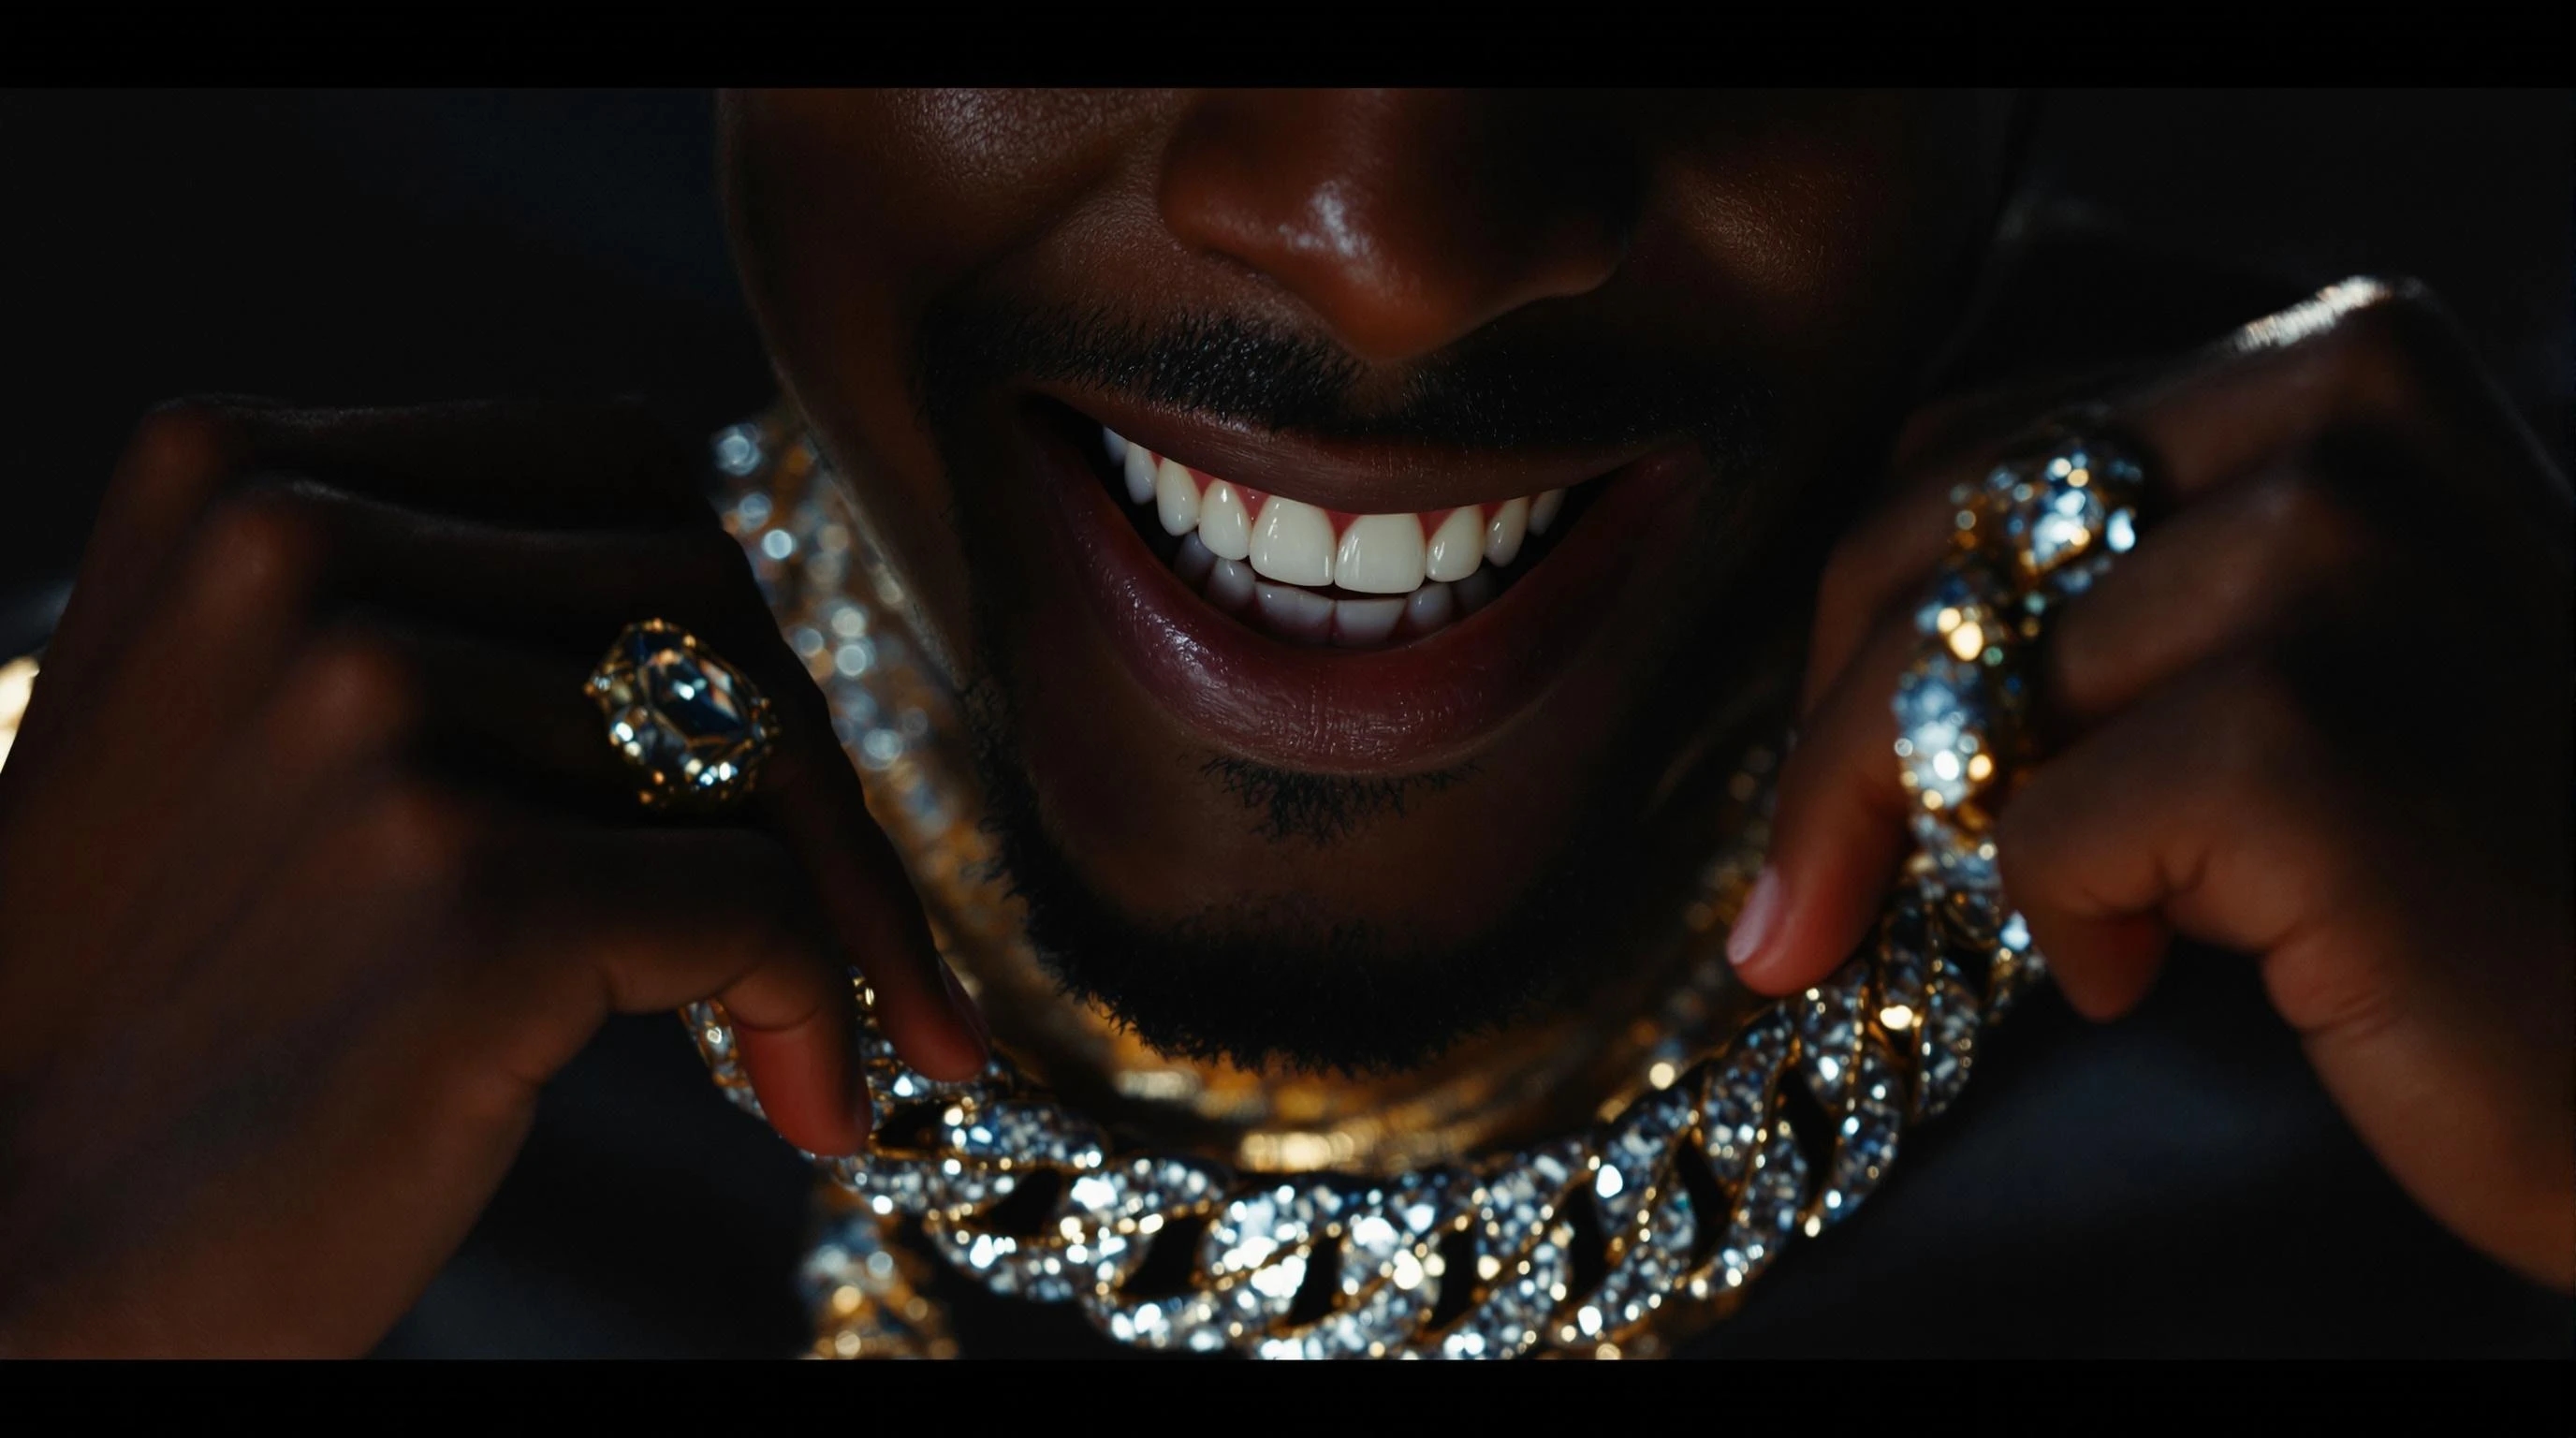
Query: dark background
point(2172, 1184)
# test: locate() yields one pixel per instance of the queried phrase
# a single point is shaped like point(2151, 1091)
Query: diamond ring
point(693, 727)
point(2032, 535)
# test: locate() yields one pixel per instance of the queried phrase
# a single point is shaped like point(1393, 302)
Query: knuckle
point(2307, 516)
point(2393, 340)
point(187, 437)
point(260, 552)
point(179, 453)
point(358, 691)
point(417, 836)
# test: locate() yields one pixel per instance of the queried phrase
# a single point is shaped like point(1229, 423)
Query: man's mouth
point(1313, 576)
point(1351, 608)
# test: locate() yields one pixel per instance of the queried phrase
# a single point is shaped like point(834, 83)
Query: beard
point(1283, 981)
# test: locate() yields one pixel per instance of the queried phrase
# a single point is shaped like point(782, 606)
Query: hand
point(2319, 716)
point(315, 865)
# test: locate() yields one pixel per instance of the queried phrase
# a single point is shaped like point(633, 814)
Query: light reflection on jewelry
point(1457, 1256)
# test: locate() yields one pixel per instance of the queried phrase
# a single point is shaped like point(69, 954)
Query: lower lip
point(1414, 707)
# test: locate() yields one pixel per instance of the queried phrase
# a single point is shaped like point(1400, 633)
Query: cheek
point(853, 212)
point(1840, 237)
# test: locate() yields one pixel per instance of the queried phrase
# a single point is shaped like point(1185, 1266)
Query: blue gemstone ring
point(692, 727)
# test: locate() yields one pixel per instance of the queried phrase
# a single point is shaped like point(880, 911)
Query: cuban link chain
point(1608, 1243)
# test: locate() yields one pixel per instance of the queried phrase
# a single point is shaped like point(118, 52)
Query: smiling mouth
point(1313, 576)
point(1324, 628)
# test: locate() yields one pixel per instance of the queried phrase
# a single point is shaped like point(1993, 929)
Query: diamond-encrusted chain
point(1611, 1242)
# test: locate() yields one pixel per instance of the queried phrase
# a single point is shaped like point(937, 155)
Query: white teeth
point(1225, 526)
point(1362, 623)
point(1543, 510)
point(1293, 543)
point(1430, 607)
point(1176, 498)
point(1295, 612)
point(1271, 564)
point(1229, 584)
point(1380, 554)
point(1139, 467)
point(1457, 546)
point(1503, 533)
point(1301, 616)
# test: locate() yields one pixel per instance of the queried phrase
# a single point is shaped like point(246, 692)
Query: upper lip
point(1377, 476)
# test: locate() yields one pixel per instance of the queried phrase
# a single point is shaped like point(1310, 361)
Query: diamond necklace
point(1390, 1225)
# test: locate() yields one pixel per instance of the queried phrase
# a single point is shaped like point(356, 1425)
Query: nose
point(1404, 219)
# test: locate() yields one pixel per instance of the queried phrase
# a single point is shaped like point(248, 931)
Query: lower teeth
point(1302, 616)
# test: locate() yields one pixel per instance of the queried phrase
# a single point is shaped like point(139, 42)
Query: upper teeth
point(1295, 543)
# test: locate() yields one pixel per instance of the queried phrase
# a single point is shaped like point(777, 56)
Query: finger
point(1908, 531)
point(2222, 809)
point(1837, 828)
point(176, 461)
point(182, 518)
point(537, 462)
point(2210, 808)
point(571, 590)
point(603, 920)
point(812, 795)
point(495, 710)
point(540, 463)
point(499, 716)
point(2233, 574)
point(2380, 357)
point(2225, 577)
point(204, 659)
point(332, 721)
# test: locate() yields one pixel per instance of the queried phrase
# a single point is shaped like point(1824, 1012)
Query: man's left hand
point(2319, 716)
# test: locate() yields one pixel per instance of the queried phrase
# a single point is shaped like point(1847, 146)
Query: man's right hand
point(315, 865)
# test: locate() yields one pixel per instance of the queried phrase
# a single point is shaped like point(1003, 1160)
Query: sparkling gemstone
point(2016, 966)
point(739, 452)
point(1829, 1032)
point(1968, 611)
point(1738, 1090)
point(688, 721)
point(1937, 978)
point(1944, 726)
point(1766, 1213)
point(1864, 1139)
point(1963, 862)
point(1946, 1040)
point(2068, 507)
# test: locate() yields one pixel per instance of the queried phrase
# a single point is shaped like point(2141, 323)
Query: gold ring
point(692, 726)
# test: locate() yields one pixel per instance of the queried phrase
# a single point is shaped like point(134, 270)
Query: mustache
point(1493, 389)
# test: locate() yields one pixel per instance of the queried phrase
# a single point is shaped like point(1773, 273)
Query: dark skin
point(309, 933)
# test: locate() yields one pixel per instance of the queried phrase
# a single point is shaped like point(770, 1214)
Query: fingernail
point(1761, 914)
point(965, 1007)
